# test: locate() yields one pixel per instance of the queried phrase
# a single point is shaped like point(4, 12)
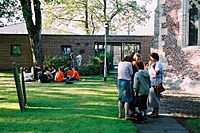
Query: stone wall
point(182, 62)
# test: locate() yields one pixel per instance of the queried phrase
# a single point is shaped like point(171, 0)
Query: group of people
point(136, 83)
point(46, 75)
point(51, 74)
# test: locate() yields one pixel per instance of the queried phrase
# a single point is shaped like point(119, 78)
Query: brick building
point(177, 40)
point(16, 47)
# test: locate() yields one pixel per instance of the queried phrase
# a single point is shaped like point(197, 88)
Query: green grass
point(83, 107)
point(193, 124)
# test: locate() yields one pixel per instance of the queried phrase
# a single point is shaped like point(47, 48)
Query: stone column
point(183, 34)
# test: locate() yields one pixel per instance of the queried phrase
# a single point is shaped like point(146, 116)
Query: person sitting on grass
point(42, 76)
point(68, 73)
point(27, 76)
point(75, 75)
point(48, 73)
point(59, 77)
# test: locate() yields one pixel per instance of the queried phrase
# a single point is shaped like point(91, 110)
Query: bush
point(96, 65)
point(90, 69)
point(57, 61)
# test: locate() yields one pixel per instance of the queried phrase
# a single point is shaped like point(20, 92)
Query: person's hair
point(155, 56)
point(146, 63)
point(132, 53)
point(140, 65)
point(127, 58)
point(137, 55)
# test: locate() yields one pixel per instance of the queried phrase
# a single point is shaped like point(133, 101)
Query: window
point(99, 48)
point(16, 49)
point(193, 25)
point(65, 50)
point(136, 47)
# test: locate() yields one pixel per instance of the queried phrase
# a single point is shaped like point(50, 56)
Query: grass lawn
point(194, 124)
point(83, 107)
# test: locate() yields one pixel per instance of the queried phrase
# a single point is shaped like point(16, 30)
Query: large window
point(66, 50)
point(16, 49)
point(193, 25)
point(128, 47)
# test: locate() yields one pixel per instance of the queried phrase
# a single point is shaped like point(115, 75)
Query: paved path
point(163, 124)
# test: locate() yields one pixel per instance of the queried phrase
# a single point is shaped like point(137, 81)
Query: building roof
point(20, 28)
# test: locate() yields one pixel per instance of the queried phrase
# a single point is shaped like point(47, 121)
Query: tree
point(90, 15)
point(10, 9)
point(67, 13)
point(33, 19)
point(10, 12)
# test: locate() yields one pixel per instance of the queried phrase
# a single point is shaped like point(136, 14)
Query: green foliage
point(193, 124)
point(96, 65)
point(89, 16)
point(10, 10)
point(88, 106)
point(56, 61)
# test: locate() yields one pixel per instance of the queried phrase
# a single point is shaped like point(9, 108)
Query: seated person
point(69, 73)
point(27, 76)
point(42, 77)
point(59, 77)
point(53, 71)
point(75, 75)
point(48, 73)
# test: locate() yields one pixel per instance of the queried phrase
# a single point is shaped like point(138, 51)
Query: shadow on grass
point(89, 106)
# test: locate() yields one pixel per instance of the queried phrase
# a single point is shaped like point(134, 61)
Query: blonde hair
point(136, 55)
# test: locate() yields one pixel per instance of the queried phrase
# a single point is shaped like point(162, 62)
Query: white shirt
point(125, 70)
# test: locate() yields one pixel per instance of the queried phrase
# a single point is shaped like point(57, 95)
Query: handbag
point(159, 88)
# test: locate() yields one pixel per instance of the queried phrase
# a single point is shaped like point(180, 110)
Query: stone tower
point(177, 40)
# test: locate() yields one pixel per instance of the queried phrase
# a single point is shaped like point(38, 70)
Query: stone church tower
point(177, 40)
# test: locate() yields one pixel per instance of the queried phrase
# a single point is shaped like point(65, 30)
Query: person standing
point(125, 72)
point(156, 74)
point(78, 59)
point(141, 88)
point(135, 60)
point(71, 59)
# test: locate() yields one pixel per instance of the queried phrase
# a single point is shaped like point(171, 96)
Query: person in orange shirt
point(59, 77)
point(69, 73)
point(75, 75)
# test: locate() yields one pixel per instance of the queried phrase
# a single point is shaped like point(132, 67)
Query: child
point(141, 87)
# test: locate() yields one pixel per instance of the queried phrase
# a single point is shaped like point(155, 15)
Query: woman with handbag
point(156, 74)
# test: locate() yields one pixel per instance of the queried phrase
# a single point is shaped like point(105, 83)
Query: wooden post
point(18, 86)
point(23, 85)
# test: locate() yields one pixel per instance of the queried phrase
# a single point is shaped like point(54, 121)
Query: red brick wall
point(52, 46)
point(6, 59)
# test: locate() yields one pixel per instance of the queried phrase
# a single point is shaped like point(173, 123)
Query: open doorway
point(118, 49)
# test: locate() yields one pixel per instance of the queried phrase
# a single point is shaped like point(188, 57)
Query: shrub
point(96, 65)
point(57, 61)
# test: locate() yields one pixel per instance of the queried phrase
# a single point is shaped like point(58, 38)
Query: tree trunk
point(34, 28)
point(36, 47)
